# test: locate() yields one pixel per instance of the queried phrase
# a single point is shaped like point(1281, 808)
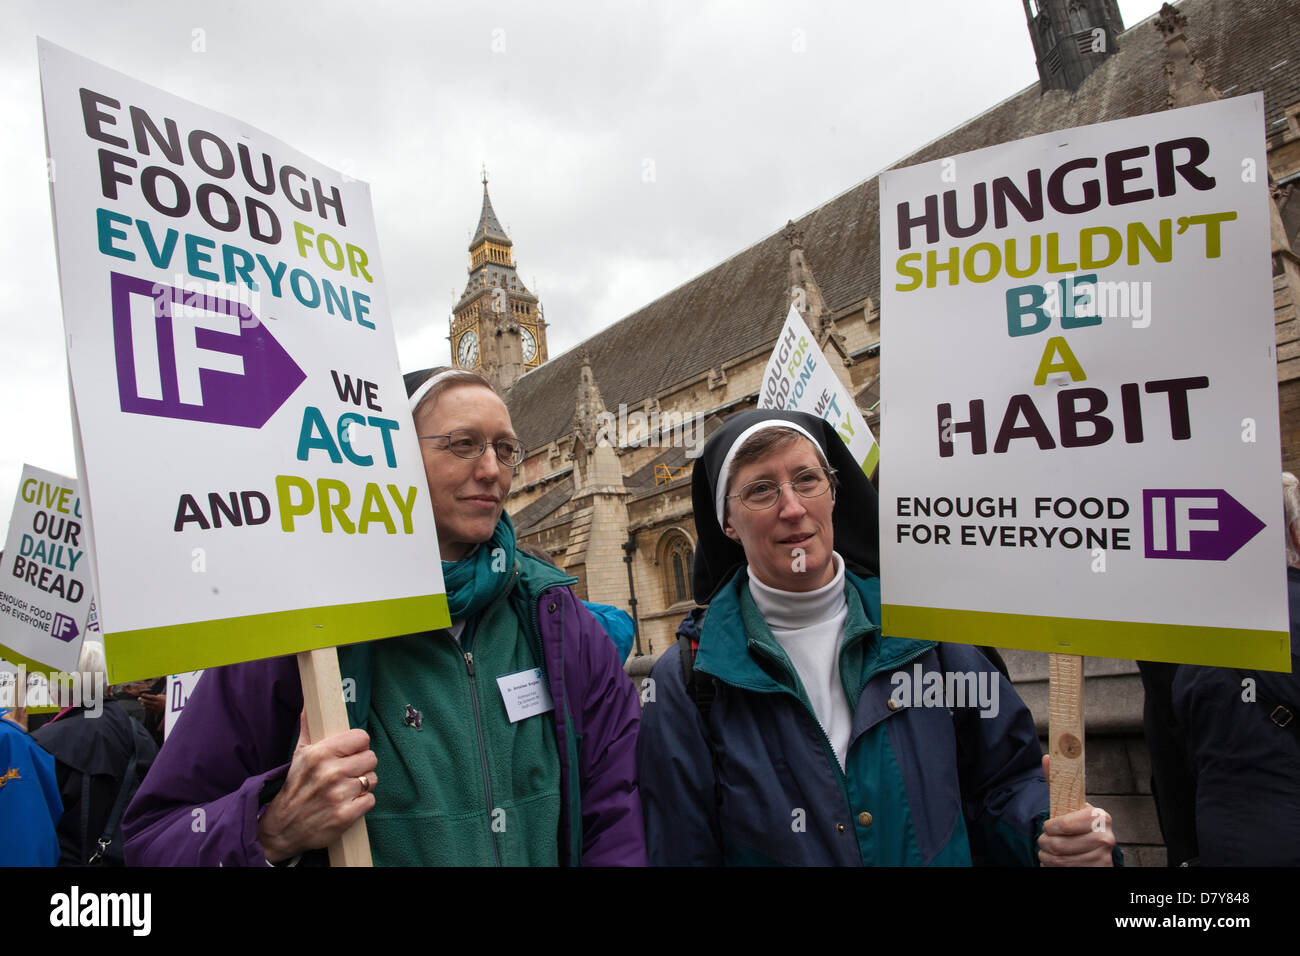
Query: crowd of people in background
point(769, 734)
point(85, 764)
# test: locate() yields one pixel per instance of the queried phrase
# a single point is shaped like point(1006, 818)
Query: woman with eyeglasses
point(507, 739)
point(780, 738)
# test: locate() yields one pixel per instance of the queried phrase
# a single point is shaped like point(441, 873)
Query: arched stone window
point(679, 576)
point(676, 560)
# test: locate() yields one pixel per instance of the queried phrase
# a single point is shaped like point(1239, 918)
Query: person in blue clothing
point(30, 805)
point(614, 621)
point(617, 623)
point(803, 752)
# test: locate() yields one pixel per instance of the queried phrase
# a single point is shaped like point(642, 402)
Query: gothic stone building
point(613, 505)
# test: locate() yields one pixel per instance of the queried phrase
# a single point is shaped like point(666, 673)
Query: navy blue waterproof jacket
point(922, 785)
point(1247, 767)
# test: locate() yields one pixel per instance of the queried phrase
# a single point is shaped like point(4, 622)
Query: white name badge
point(525, 694)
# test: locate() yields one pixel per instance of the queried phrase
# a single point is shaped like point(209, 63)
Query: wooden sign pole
point(1065, 732)
point(322, 698)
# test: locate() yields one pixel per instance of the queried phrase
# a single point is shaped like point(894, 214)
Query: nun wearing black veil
point(800, 734)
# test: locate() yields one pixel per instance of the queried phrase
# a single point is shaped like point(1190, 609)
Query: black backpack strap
point(85, 816)
point(129, 784)
point(701, 689)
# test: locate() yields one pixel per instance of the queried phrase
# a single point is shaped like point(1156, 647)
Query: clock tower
point(497, 327)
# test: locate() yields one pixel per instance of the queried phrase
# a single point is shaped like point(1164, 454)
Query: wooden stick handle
point(1065, 732)
point(322, 698)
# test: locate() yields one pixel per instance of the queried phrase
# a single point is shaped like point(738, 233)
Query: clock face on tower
point(467, 350)
point(529, 343)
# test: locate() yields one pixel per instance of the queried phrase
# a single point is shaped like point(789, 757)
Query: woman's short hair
point(448, 378)
point(91, 660)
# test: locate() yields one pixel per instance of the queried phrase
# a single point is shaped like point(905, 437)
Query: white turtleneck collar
point(794, 610)
point(809, 626)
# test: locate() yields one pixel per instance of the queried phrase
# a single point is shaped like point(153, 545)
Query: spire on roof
point(489, 226)
point(805, 294)
point(589, 405)
point(1188, 83)
point(596, 466)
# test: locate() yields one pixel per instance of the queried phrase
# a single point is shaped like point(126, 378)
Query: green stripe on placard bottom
point(10, 656)
point(1128, 640)
point(869, 463)
point(154, 651)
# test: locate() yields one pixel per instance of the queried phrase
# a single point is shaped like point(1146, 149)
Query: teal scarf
point(476, 579)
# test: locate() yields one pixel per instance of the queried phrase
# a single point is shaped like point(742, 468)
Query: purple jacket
point(199, 805)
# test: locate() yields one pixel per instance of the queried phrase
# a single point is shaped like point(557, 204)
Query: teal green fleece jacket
point(462, 785)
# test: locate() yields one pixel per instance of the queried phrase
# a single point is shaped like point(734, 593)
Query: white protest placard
point(92, 623)
point(36, 689)
point(1080, 394)
point(250, 469)
point(45, 587)
point(798, 379)
point(9, 697)
point(179, 688)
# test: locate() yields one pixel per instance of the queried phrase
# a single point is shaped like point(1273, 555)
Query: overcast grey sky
point(748, 113)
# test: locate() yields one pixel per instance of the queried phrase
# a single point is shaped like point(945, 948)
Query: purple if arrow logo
point(1196, 524)
point(63, 628)
point(187, 355)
